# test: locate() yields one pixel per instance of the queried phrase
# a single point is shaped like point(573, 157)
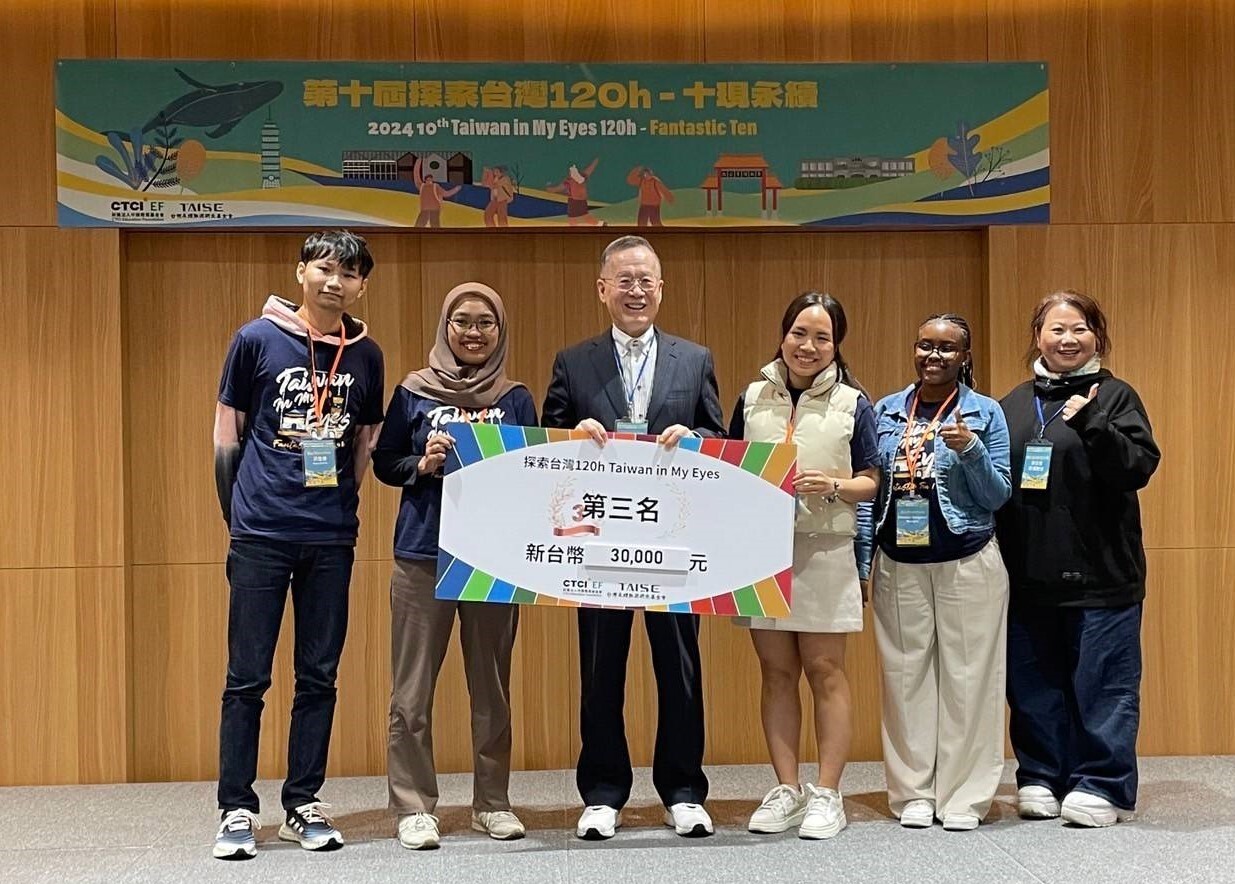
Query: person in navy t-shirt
point(299, 410)
point(465, 382)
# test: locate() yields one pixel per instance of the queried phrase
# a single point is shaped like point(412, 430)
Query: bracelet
point(832, 498)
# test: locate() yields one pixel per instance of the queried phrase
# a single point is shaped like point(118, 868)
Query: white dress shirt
point(631, 353)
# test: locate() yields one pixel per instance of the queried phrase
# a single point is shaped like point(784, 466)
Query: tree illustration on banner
point(964, 156)
point(939, 158)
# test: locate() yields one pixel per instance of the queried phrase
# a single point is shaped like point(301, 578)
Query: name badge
point(913, 521)
point(639, 428)
point(320, 469)
point(1036, 471)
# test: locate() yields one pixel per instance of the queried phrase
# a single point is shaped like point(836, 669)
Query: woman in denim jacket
point(939, 585)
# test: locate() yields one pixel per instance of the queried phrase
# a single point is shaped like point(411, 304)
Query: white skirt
point(826, 595)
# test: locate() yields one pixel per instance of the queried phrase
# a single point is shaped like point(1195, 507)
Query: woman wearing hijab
point(465, 383)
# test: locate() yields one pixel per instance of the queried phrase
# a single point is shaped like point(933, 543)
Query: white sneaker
point(310, 827)
point(598, 822)
point(781, 809)
point(1036, 803)
point(1083, 809)
point(235, 838)
point(418, 831)
point(959, 822)
point(825, 814)
point(500, 825)
point(918, 814)
point(689, 820)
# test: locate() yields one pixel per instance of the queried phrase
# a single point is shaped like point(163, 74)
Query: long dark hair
point(966, 373)
point(840, 327)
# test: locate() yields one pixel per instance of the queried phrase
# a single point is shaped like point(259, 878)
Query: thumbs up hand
point(956, 436)
point(1077, 402)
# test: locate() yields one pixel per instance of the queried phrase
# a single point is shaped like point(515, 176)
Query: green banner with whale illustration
point(188, 144)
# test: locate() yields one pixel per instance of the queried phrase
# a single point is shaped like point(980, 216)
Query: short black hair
point(350, 250)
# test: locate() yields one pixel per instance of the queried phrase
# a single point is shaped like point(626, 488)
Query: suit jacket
point(586, 383)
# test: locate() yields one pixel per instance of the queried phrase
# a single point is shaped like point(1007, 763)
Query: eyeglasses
point(484, 326)
point(626, 284)
point(945, 350)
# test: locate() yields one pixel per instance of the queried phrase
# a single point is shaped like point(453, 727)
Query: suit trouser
point(420, 627)
point(941, 630)
point(604, 775)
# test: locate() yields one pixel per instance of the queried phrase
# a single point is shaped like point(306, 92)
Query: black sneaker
point(235, 839)
point(311, 828)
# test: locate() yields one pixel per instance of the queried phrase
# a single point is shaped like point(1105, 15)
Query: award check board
point(534, 516)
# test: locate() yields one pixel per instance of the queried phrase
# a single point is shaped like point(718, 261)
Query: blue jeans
point(1074, 688)
point(260, 572)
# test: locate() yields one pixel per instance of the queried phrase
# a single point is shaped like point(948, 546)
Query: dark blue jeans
point(1074, 688)
point(260, 572)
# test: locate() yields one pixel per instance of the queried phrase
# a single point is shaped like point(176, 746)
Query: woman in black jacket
point(1071, 539)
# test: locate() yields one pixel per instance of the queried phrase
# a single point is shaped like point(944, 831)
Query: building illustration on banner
point(191, 144)
point(272, 158)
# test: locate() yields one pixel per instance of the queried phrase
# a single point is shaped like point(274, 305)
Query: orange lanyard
point(319, 401)
point(914, 455)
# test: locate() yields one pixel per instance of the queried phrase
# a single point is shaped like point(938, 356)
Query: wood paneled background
point(112, 596)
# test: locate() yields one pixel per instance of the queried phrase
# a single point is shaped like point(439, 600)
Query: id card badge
point(639, 428)
point(320, 469)
point(1036, 471)
point(913, 521)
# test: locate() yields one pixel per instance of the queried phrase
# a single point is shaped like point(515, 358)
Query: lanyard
point(914, 455)
point(1043, 423)
point(319, 401)
point(629, 390)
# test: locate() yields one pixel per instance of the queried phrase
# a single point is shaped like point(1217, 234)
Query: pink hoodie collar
point(282, 313)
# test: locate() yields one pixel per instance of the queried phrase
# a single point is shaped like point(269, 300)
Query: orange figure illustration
point(501, 193)
point(431, 196)
point(574, 185)
point(652, 192)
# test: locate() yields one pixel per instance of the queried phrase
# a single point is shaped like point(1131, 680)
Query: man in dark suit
point(632, 378)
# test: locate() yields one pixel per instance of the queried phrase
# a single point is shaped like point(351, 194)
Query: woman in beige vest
point(807, 396)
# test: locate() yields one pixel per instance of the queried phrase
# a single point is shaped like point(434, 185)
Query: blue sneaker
point(311, 828)
point(235, 839)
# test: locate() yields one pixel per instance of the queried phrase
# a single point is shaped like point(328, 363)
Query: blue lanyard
point(1043, 423)
point(630, 390)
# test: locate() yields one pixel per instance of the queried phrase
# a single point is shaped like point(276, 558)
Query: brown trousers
point(420, 627)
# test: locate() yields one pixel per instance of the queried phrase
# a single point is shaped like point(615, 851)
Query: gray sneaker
point(235, 839)
point(311, 828)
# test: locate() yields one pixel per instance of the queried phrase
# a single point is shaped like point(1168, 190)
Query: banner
point(189, 144)
point(547, 517)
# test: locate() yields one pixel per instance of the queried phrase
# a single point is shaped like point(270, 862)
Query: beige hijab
point(451, 382)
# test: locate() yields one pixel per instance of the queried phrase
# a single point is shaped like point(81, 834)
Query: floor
point(1185, 832)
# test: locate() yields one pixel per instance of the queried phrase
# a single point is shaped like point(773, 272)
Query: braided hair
point(966, 373)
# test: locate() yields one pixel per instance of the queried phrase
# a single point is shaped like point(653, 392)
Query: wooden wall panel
point(540, 30)
point(1129, 80)
point(1189, 654)
point(825, 30)
point(34, 34)
point(62, 688)
point(268, 29)
point(63, 506)
point(1168, 292)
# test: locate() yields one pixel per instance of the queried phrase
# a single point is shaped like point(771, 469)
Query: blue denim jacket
point(970, 485)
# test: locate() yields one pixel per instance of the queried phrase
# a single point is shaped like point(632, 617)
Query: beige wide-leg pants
point(941, 630)
point(420, 628)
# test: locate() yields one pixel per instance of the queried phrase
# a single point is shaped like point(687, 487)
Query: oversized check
point(547, 517)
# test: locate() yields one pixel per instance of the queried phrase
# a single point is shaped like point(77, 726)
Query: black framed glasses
point(485, 326)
